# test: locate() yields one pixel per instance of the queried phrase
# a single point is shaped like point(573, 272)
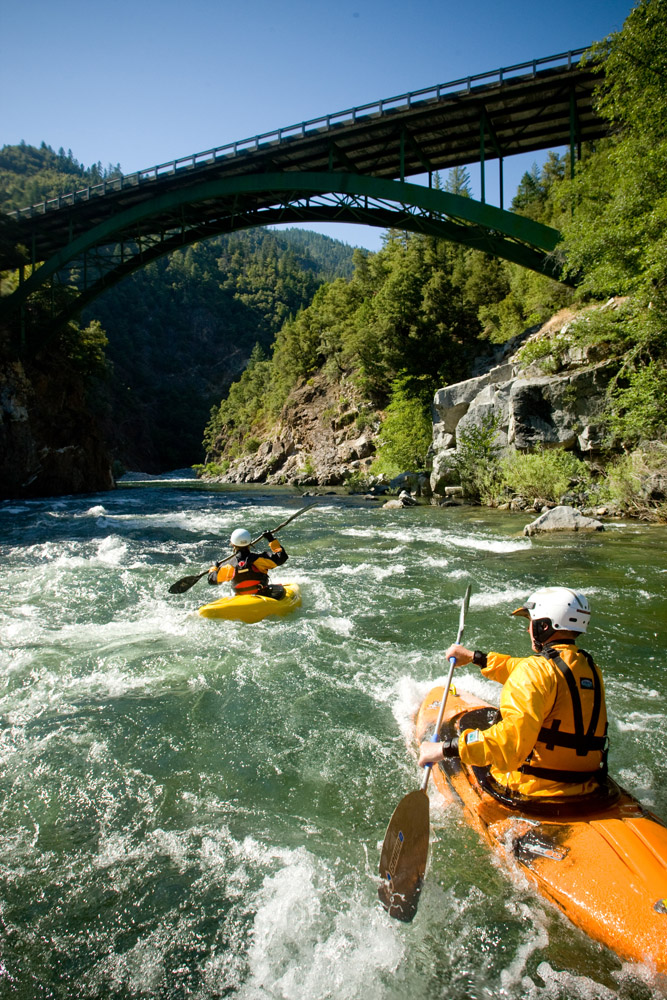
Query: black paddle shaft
point(186, 582)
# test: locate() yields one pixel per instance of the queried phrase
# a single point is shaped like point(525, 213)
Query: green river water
point(192, 808)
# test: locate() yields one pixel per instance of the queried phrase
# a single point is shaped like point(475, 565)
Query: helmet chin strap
point(541, 631)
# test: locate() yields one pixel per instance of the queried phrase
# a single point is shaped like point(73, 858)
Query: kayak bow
point(604, 868)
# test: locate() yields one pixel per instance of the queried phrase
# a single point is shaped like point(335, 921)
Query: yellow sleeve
point(263, 565)
point(499, 666)
point(526, 698)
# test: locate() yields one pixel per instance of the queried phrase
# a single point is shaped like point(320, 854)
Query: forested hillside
point(181, 330)
point(414, 315)
point(29, 175)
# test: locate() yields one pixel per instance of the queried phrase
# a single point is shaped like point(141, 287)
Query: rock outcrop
point(325, 433)
point(562, 518)
point(531, 408)
point(49, 444)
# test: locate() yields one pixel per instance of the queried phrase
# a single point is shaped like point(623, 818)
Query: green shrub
point(251, 444)
point(357, 482)
point(636, 482)
point(547, 352)
point(366, 418)
point(545, 474)
point(212, 468)
point(476, 459)
point(307, 469)
point(406, 432)
point(640, 404)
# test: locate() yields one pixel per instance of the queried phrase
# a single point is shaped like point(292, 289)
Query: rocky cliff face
point(532, 409)
point(325, 432)
point(49, 444)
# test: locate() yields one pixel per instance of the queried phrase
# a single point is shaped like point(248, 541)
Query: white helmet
point(566, 609)
point(240, 538)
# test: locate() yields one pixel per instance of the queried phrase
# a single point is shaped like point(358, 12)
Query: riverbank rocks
point(557, 401)
point(562, 518)
point(402, 500)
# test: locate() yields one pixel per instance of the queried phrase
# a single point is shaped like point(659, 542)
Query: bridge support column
point(481, 162)
point(575, 144)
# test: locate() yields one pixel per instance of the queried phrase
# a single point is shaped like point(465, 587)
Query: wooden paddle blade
point(404, 856)
point(185, 583)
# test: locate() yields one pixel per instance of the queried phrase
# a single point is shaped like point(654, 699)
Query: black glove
point(450, 748)
point(267, 534)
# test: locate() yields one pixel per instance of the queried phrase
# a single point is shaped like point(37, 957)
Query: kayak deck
point(605, 870)
point(250, 608)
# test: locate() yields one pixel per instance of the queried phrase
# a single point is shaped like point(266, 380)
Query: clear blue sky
point(141, 82)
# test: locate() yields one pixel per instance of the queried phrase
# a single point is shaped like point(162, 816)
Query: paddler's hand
point(461, 654)
point(268, 535)
point(433, 753)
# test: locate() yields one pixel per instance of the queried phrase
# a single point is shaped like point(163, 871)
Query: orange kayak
point(604, 864)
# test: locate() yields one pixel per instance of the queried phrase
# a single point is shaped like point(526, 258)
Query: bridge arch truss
point(128, 240)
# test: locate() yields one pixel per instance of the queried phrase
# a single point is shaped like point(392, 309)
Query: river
point(192, 808)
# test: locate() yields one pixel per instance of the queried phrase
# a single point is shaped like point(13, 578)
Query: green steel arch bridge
point(350, 166)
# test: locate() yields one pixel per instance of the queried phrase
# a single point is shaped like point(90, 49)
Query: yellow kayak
point(250, 608)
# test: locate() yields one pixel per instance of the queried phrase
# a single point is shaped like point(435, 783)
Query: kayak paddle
point(405, 848)
point(189, 581)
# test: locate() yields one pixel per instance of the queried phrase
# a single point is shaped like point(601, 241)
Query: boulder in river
point(402, 500)
point(562, 518)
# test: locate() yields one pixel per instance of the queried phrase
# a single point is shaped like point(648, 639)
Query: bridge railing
point(299, 131)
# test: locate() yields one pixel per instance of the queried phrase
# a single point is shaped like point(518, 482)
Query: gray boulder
point(562, 518)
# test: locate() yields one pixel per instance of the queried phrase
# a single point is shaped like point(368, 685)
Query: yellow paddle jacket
point(551, 739)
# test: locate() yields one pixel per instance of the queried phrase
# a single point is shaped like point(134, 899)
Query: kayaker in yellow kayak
point(551, 739)
point(248, 571)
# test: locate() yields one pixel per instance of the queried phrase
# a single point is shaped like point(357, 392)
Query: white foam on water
point(112, 551)
point(408, 694)
point(342, 626)
point(141, 968)
point(492, 598)
point(642, 722)
point(312, 939)
point(362, 569)
point(639, 692)
point(488, 544)
point(536, 938)
point(436, 563)
point(384, 572)
point(563, 985)
point(438, 536)
point(639, 781)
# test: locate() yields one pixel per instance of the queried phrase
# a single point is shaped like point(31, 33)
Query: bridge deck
point(527, 108)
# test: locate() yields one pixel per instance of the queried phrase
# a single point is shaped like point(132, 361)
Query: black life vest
point(247, 579)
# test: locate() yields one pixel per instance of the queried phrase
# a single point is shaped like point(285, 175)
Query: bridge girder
point(127, 240)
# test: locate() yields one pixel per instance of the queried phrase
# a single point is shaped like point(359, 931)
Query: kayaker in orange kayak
point(551, 738)
point(248, 571)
